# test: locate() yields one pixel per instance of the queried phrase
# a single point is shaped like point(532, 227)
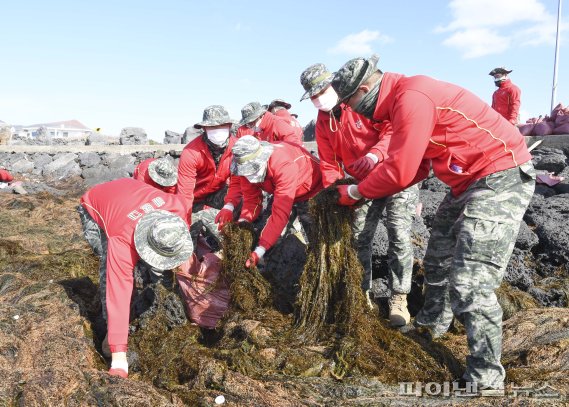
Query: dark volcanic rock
point(434, 184)
point(549, 218)
point(520, 272)
point(526, 237)
point(171, 137)
point(549, 159)
point(133, 135)
point(431, 201)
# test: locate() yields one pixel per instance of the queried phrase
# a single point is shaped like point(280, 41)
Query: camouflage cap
point(163, 172)
point(279, 102)
point(350, 76)
point(314, 79)
point(500, 70)
point(162, 240)
point(214, 115)
point(250, 156)
point(251, 112)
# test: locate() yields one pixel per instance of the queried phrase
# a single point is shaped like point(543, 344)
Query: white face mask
point(326, 101)
point(217, 136)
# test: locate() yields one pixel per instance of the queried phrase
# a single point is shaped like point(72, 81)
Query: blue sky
point(157, 65)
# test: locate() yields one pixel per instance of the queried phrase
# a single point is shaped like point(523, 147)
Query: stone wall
point(94, 165)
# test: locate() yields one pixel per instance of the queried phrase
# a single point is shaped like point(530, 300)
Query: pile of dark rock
point(171, 137)
point(89, 168)
point(133, 135)
point(539, 265)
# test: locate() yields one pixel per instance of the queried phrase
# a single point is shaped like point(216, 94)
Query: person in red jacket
point(352, 144)
point(126, 220)
point(486, 163)
point(6, 177)
point(280, 108)
point(265, 126)
point(160, 173)
point(506, 100)
point(204, 175)
point(285, 170)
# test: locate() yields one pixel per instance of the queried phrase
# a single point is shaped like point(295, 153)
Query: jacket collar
point(387, 91)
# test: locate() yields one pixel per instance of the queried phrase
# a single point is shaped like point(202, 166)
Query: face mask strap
point(333, 122)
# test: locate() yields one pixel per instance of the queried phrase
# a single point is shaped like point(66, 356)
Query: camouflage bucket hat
point(163, 172)
point(314, 79)
point(350, 76)
point(251, 112)
point(279, 102)
point(250, 156)
point(163, 240)
point(214, 115)
point(500, 70)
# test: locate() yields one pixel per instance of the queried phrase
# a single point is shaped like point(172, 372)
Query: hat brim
point(253, 166)
point(499, 71)
point(160, 180)
point(148, 254)
point(252, 117)
point(212, 123)
point(280, 103)
point(371, 67)
point(316, 89)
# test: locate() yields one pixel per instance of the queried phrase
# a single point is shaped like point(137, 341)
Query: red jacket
point(444, 125)
point(117, 206)
point(506, 101)
point(244, 131)
point(274, 128)
point(345, 141)
point(5, 176)
point(293, 175)
point(199, 177)
point(141, 173)
point(285, 114)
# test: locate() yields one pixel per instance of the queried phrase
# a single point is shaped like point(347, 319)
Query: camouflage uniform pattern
point(472, 238)
point(214, 115)
point(250, 157)
point(162, 240)
point(163, 172)
point(350, 76)
point(400, 209)
point(314, 79)
point(251, 112)
point(97, 239)
point(203, 220)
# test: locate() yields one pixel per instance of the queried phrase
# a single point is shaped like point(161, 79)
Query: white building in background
point(70, 129)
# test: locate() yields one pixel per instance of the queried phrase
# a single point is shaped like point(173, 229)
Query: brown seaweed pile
point(249, 289)
point(332, 307)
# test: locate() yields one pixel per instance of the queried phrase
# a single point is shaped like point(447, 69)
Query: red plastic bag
point(563, 129)
point(204, 291)
point(556, 110)
point(526, 129)
point(561, 118)
point(545, 128)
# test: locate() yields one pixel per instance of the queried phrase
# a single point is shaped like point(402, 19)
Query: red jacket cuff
point(118, 348)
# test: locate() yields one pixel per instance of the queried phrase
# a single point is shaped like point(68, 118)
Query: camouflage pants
point(97, 239)
point(400, 210)
point(472, 238)
point(299, 212)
